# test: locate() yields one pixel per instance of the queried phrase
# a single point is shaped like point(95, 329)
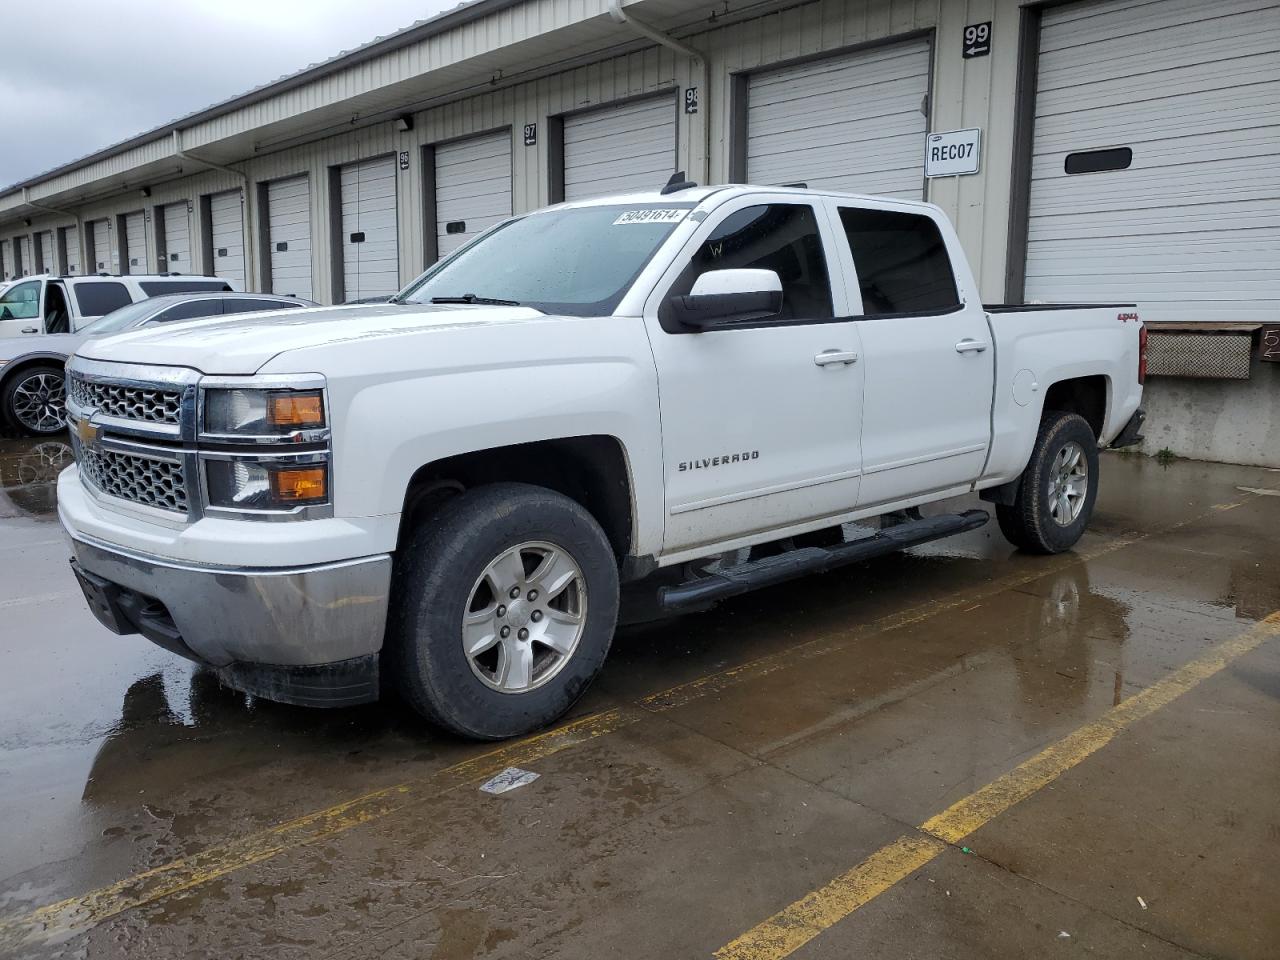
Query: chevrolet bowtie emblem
point(86, 431)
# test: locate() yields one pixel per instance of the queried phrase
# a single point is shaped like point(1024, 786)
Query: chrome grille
point(138, 479)
point(150, 405)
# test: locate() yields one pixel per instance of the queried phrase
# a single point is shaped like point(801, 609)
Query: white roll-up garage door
point(289, 236)
point(473, 188)
point(71, 248)
point(226, 216)
point(101, 253)
point(620, 149)
point(6, 260)
point(1171, 113)
point(44, 252)
point(853, 122)
point(135, 243)
point(370, 237)
point(177, 238)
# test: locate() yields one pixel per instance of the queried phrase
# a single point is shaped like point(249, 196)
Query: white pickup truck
point(446, 491)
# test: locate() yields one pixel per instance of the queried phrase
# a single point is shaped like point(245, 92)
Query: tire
point(450, 568)
point(34, 400)
point(1064, 446)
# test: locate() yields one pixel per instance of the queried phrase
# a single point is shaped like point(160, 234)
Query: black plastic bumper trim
point(1132, 432)
point(345, 683)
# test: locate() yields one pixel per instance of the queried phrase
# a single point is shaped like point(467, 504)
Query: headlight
point(262, 413)
point(266, 485)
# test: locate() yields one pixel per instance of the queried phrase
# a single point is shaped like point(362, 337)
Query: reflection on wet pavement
point(28, 476)
point(813, 723)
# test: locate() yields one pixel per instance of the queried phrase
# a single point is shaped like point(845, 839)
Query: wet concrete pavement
point(726, 765)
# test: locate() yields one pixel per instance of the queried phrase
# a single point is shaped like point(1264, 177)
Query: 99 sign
point(977, 40)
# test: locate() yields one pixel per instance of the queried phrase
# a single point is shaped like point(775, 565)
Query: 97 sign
point(977, 40)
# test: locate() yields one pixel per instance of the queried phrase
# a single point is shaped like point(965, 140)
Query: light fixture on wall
point(404, 123)
point(145, 191)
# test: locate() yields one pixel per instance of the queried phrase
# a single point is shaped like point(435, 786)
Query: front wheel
point(505, 604)
point(1057, 491)
point(34, 400)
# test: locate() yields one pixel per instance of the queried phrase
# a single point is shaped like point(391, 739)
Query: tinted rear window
point(98, 297)
point(901, 260)
point(158, 288)
point(250, 305)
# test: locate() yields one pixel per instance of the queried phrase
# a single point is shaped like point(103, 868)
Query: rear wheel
point(506, 600)
point(1058, 488)
point(34, 400)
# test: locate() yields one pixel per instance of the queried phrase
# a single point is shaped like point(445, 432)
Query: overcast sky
point(78, 76)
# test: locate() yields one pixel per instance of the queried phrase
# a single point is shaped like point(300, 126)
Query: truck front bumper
point(307, 635)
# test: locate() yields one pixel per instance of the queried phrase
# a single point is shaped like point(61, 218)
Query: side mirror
point(729, 296)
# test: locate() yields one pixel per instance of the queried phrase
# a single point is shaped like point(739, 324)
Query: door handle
point(827, 357)
point(971, 346)
point(30, 330)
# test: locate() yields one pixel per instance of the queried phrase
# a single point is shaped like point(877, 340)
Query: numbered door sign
point(691, 100)
point(404, 159)
point(1270, 343)
point(977, 40)
point(952, 154)
point(530, 134)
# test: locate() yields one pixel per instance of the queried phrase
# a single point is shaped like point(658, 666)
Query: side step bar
point(798, 563)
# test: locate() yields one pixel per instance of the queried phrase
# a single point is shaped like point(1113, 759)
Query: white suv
point(49, 304)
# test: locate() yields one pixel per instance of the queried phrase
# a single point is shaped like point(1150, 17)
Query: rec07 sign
point(952, 154)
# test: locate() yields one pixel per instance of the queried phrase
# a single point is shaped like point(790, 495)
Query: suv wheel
point(1057, 491)
point(505, 603)
point(34, 400)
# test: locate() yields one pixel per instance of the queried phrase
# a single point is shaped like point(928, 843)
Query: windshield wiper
point(472, 298)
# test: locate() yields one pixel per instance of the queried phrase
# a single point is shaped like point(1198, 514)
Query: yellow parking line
point(794, 926)
point(220, 859)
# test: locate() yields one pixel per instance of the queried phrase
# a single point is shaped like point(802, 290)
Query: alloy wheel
point(525, 617)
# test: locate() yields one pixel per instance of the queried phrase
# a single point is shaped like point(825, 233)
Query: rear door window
point(191, 310)
point(250, 305)
point(96, 298)
point(158, 288)
point(902, 262)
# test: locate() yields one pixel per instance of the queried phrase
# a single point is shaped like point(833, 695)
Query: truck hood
point(242, 345)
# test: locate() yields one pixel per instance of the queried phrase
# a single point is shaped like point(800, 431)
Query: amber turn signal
point(299, 484)
point(296, 410)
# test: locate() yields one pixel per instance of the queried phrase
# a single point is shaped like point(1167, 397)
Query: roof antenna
point(677, 183)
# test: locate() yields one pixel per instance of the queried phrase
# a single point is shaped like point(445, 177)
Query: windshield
point(120, 319)
point(578, 261)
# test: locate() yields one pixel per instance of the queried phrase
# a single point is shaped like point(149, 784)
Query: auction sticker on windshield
point(650, 216)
